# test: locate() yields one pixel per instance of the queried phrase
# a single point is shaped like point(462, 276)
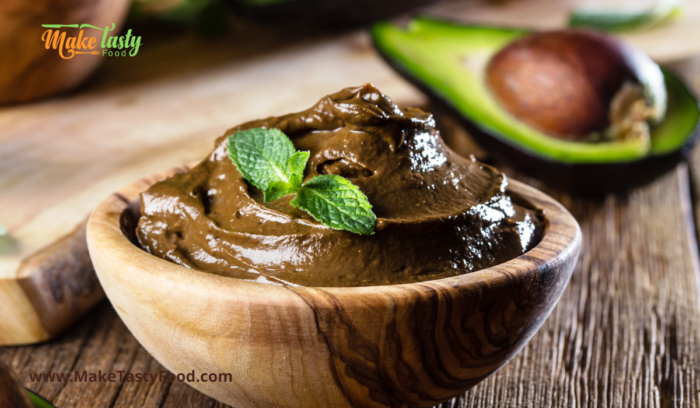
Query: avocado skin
point(325, 13)
point(586, 179)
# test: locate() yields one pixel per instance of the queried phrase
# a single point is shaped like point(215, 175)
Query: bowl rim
point(561, 240)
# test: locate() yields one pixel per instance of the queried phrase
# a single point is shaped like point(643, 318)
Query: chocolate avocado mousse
point(438, 214)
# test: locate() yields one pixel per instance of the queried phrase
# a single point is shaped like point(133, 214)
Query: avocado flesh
point(622, 20)
point(450, 60)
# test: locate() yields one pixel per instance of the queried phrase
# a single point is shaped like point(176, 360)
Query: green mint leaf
point(277, 189)
point(297, 163)
point(268, 160)
point(295, 180)
point(262, 155)
point(337, 203)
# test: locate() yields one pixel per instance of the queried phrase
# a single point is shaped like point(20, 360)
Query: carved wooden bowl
point(404, 345)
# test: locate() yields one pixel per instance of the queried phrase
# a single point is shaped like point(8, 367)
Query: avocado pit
point(448, 61)
point(579, 86)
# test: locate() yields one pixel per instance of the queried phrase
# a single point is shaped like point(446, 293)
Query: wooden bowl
point(412, 345)
point(12, 392)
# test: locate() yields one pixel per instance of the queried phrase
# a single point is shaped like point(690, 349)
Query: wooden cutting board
point(137, 116)
point(60, 158)
point(665, 43)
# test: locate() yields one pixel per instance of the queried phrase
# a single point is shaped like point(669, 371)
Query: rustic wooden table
point(625, 333)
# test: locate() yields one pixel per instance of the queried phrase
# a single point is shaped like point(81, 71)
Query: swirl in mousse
point(438, 214)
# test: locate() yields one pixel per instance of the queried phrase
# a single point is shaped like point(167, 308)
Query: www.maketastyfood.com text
point(129, 377)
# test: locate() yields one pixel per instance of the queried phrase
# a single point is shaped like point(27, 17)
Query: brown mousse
point(438, 214)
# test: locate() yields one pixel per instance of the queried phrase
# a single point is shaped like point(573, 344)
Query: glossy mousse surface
point(438, 214)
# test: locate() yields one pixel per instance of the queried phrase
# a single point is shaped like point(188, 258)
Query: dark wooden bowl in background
point(28, 71)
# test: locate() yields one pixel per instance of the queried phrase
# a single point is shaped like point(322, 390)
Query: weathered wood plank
point(665, 43)
point(627, 329)
point(689, 69)
point(61, 157)
point(625, 333)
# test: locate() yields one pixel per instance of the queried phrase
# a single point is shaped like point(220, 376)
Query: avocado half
point(447, 61)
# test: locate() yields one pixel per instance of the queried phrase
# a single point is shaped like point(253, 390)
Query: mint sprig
point(337, 203)
point(268, 160)
point(262, 155)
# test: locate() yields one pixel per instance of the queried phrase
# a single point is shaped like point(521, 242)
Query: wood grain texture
point(60, 281)
point(385, 346)
point(52, 289)
point(612, 336)
point(625, 331)
point(51, 285)
point(12, 391)
point(61, 157)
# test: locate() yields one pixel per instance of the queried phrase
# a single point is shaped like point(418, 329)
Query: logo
point(84, 43)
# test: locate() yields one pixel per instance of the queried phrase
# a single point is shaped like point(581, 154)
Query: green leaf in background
point(262, 155)
point(207, 17)
point(268, 160)
point(3, 230)
point(337, 203)
point(626, 19)
point(38, 401)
